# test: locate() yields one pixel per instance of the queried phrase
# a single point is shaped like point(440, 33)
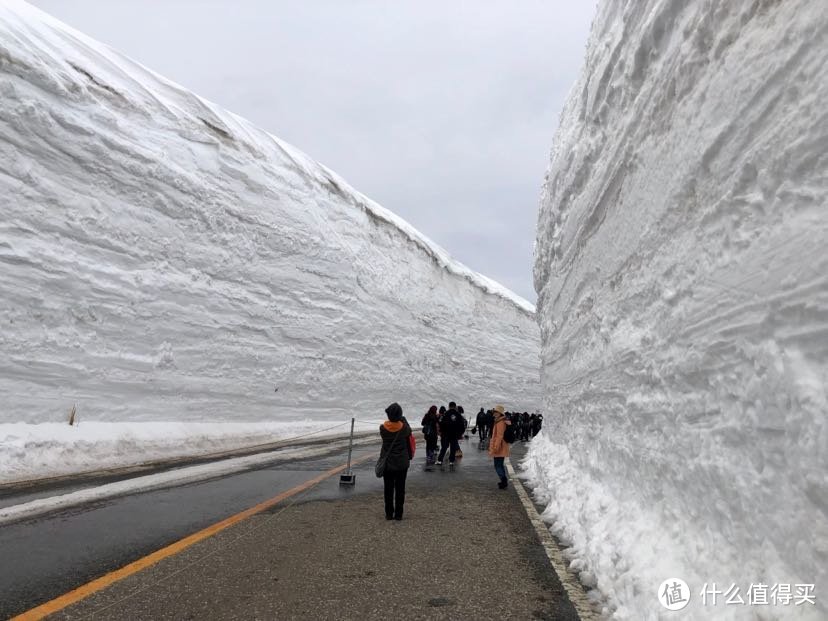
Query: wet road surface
point(47, 556)
point(288, 554)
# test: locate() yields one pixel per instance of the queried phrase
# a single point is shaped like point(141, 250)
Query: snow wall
point(163, 259)
point(682, 271)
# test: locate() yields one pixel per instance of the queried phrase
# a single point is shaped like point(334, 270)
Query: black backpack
point(509, 435)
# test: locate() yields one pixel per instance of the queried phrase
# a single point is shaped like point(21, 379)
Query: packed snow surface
point(682, 272)
point(165, 260)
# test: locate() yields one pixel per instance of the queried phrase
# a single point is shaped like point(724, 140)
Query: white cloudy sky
point(443, 112)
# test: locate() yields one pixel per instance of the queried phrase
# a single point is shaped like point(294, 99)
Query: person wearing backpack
point(499, 447)
point(464, 433)
point(429, 424)
point(394, 433)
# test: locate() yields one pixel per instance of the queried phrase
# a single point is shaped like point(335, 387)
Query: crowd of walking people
point(443, 428)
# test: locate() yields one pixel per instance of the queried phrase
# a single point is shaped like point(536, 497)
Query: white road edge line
point(569, 580)
point(169, 478)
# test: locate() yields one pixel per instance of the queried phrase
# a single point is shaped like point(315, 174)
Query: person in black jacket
point(488, 425)
point(451, 429)
point(465, 421)
point(480, 423)
point(429, 424)
point(525, 427)
point(394, 433)
point(537, 424)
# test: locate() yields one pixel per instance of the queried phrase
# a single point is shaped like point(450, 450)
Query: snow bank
point(164, 260)
point(682, 271)
point(170, 478)
point(30, 451)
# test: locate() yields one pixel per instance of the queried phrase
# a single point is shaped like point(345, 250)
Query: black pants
point(394, 493)
point(448, 444)
point(431, 448)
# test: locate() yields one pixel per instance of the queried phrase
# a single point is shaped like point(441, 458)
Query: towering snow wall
point(682, 271)
point(163, 259)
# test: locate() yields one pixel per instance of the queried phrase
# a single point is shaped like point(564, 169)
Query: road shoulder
point(464, 550)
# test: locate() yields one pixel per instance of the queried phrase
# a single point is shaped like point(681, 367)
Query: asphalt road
point(288, 562)
point(47, 556)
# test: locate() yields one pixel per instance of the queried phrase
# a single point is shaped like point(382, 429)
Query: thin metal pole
point(351, 446)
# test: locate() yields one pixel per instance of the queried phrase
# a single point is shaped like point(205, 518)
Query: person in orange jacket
point(498, 447)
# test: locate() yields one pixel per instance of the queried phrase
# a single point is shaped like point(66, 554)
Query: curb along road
point(570, 582)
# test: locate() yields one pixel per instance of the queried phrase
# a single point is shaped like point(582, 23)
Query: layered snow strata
point(682, 271)
point(163, 259)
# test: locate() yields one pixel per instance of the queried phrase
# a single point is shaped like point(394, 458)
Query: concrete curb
point(570, 581)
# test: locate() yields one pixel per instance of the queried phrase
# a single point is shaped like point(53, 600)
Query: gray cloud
point(443, 112)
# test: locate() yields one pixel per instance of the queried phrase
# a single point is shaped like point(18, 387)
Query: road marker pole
point(348, 477)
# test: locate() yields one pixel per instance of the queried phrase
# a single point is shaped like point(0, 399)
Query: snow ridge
point(166, 260)
point(682, 273)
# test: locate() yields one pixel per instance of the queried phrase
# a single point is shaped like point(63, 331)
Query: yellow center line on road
point(90, 588)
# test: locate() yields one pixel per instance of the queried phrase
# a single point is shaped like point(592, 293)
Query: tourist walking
point(525, 427)
point(451, 429)
point(537, 424)
point(480, 423)
point(429, 424)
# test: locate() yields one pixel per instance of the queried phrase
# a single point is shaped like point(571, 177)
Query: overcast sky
point(443, 112)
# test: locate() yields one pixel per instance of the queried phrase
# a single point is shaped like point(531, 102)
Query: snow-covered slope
point(682, 271)
point(163, 259)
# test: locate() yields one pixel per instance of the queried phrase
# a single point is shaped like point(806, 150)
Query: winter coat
point(497, 446)
point(451, 425)
point(395, 439)
point(430, 422)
